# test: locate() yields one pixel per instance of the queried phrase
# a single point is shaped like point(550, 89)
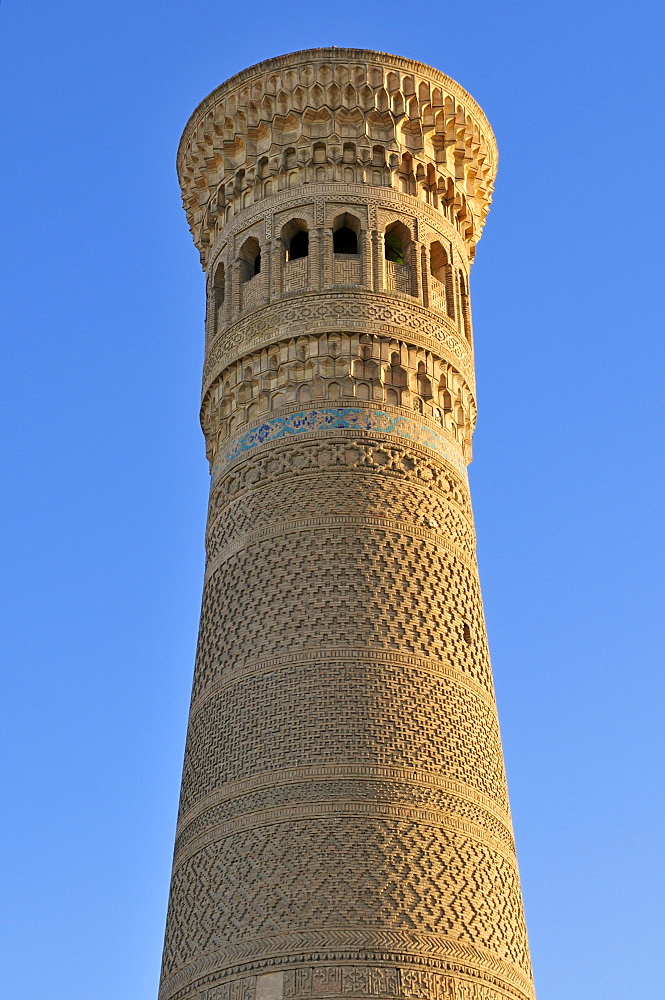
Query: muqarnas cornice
point(332, 114)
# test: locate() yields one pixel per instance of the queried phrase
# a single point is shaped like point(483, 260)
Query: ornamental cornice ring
point(300, 57)
point(378, 314)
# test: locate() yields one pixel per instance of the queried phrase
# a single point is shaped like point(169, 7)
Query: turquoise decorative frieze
point(347, 418)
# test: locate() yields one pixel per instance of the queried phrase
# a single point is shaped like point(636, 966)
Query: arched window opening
point(345, 241)
point(442, 294)
point(396, 243)
point(438, 261)
point(218, 291)
point(393, 248)
point(218, 284)
point(250, 258)
point(298, 246)
point(346, 229)
point(397, 253)
point(295, 251)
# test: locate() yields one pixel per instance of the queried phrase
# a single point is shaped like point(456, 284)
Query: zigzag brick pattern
point(344, 828)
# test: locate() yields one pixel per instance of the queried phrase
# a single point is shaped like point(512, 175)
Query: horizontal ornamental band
point(341, 312)
point(393, 947)
point(348, 418)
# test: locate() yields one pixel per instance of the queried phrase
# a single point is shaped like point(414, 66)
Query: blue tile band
point(350, 419)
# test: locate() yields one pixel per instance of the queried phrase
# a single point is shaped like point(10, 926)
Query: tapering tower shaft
point(344, 829)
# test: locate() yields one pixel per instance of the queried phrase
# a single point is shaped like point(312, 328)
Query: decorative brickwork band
point(349, 418)
point(344, 829)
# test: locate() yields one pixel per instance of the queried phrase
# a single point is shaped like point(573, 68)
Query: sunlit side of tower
point(344, 829)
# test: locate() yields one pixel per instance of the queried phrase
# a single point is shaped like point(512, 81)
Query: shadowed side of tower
point(344, 829)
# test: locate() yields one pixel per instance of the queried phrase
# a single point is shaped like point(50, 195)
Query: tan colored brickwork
point(344, 829)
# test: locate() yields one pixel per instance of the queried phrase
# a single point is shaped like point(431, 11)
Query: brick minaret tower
point(344, 829)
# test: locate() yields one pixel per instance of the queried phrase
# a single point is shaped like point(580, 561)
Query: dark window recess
point(394, 251)
point(345, 241)
point(299, 245)
point(257, 263)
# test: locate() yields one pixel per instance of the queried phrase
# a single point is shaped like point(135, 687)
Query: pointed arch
point(346, 230)
point(250, 258)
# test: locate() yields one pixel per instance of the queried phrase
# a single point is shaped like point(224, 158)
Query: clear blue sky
point(105, 480)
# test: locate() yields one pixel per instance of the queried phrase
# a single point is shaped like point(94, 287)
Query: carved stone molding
point(339, 115)
point(432, 953)
point(342, 311)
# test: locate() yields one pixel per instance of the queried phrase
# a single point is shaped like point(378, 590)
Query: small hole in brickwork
point(466, 632)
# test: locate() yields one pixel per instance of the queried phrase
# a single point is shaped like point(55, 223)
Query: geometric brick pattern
point(344, 828)
point(395, 873)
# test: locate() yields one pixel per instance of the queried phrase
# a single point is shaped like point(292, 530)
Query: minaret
point(344, 829)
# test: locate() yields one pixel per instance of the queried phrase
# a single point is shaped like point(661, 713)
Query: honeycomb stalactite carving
point(315, 370)
point(339, 116)
point(344, 828)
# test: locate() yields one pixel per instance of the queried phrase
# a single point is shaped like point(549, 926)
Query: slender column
point(424, 272)
point(276, 258)
point(366, 257)
point(327, 263)
point(314, 266)
point(377, 259)
point(417, 276)
point(236, 284)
